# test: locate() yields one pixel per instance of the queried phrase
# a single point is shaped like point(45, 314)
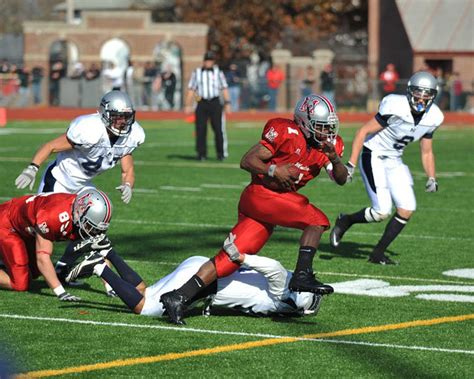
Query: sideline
point(242, 346)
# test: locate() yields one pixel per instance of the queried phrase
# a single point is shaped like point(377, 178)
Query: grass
point(182, 207)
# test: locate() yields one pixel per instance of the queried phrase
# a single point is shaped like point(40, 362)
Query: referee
point(205, 86)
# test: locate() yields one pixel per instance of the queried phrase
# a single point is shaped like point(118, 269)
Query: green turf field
point(182, 207)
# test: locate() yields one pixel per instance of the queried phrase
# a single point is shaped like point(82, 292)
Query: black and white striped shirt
point(207, 83)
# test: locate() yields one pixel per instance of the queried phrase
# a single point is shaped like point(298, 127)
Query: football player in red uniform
point(289, 154)
point(30, 224)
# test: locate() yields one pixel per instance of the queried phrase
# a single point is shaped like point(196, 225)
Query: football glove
point(350, 171)
point(126, 190)
point(431, 185)
point(27, 177)
point(66, 296)
point(230, 249)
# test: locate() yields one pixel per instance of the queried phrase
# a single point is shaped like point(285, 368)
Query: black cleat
point(175, 305)
point(382, 260)
point(84, 269)
point(305, 281)
point(341, 226)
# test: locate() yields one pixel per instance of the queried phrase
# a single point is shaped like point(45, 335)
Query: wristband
point(59, 290)
point(35, 166)
point(349, 163)
point(271, 170)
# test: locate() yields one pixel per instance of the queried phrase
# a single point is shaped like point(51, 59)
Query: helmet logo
point(271, 134)
point(309, 104)
point(83, 204)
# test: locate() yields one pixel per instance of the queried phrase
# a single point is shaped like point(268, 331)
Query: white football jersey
point(261, 289)
point(399, 126)
point(92, 153)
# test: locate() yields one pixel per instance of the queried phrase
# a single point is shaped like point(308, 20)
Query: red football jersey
point(49, 214)
point(287, 143)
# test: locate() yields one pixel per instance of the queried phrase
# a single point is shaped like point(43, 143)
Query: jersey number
point(91, 167)
point(402, 142)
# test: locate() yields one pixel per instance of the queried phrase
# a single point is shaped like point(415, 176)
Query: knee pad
point(224, 266)
point(371, 215)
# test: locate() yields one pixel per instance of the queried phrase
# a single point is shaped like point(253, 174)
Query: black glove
point(99, 242)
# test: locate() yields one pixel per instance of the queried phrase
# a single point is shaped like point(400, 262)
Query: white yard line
point(221, 332)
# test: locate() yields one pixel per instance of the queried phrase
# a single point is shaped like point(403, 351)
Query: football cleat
point(111, 293)
point(175, 305)
point(382, 260)
point(305, 281)
point(342, 224)
point(85, 269)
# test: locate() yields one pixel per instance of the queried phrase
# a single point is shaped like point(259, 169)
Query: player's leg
point(374, 176)
point(201, 130)
point(400, 184)
point(124, 270)
point(250, 235)
point(13, 253)
point(216, 123)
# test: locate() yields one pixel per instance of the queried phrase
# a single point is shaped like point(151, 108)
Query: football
point(274, 184)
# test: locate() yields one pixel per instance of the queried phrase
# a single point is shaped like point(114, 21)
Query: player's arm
point(128, 178)
point(225, 94)
point(256, 160)
point(370, 127)
point(44, 249)
point(338, 171)
point(28, 175)
point(428, 161)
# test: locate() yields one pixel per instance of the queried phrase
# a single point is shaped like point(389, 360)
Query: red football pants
point(260, 209)
point(15, 254)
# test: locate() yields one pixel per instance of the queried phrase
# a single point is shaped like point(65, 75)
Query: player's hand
point(350, 171)
point(286, 176)
point(27, 177)
point(431, 185)
point(126, 190)
point(231, 249)
point(66, 296)
point(329, 150)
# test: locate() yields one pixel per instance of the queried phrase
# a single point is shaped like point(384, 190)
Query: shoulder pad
point(85, 130)
point(436, 116)
point(137, 133)
point(394, 105)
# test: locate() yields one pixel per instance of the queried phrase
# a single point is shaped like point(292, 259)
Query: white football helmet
point(91, 212)
point(421, 91)
point(317, 119)
point(117, 112)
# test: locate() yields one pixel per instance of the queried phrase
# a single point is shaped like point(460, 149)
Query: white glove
point(230, 249)
point(126, 190)
point(27, 177)
point(66, 296)
point(350, 171)
point(431, 185)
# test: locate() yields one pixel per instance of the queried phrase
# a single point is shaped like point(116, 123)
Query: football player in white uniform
point(91, 145)
point(399, 121)
point(260, 287)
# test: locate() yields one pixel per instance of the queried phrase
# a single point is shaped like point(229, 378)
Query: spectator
point(93, 72)
point(56, 73)
point(307, 84)
point(24, 87)
point(456, 92)
point(168, 86)
point(77, 71)
point(233, 78)
point(113, 76)
point(389, 79)
point(275, 76)
point(129, 79)
point(439, 100)
point(149, 74)
point(327, 83)
point(37, 74)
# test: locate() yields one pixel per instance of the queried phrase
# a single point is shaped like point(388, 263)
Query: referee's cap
point(209, 56)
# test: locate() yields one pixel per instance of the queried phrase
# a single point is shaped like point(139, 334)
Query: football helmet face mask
point(91, 212)
point(317, 119)
point(421, 91)
point(117, 112)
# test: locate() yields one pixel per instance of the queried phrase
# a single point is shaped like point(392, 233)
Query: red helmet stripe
point(108, 216)
point(328, 103)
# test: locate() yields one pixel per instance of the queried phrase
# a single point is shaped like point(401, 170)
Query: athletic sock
point(392, 230)
point(191, 288)
point(305, 258)
point(357, 218)
point(126, 291)
point(124, 270)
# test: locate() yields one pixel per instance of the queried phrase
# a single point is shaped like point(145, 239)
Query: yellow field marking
point(242, 346)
